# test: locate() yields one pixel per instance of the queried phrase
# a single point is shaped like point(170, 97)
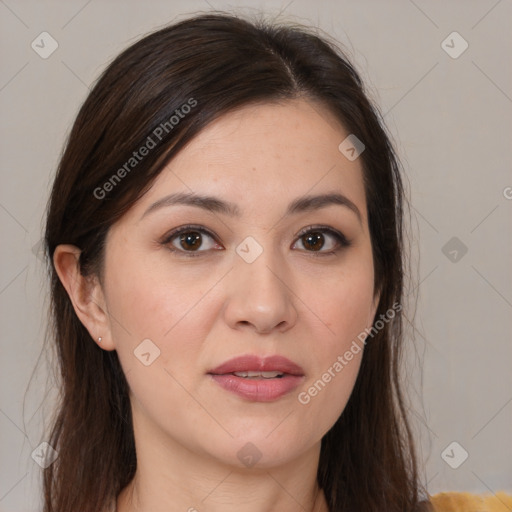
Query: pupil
point(192, 239)
point(314, 240)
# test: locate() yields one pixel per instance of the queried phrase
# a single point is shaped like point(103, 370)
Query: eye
point(190, 240)
point(316, 238)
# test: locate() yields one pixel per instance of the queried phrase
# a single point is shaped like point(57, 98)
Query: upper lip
point(255, 363)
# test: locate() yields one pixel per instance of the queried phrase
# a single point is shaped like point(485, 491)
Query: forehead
point(263, 155)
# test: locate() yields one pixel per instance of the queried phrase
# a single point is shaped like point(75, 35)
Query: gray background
point(451, 118)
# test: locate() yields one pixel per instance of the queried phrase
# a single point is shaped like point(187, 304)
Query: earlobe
point(85, 293)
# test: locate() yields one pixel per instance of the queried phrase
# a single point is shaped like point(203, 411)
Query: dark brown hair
point(220, 62)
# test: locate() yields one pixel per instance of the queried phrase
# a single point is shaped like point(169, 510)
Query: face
point(191, 284)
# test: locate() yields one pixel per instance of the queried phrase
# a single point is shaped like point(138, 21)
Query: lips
point(258, 379)
point(251, 363)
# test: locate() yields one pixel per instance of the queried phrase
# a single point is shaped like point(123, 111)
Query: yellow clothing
point(468, 502)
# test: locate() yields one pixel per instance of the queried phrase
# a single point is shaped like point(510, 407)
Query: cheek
point(345, 301)
point(151, 300)
point(323, 399)
point(174, 310)
point(337, 360)
point(158, 338)
point(345, 307)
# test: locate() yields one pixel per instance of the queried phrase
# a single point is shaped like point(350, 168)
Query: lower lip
point(258, 390)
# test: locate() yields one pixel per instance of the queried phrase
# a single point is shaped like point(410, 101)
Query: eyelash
point(338, 236)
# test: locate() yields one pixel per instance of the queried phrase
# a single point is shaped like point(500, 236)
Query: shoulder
point(469, 502)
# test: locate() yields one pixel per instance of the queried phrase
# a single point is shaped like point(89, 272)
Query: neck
point(133, 499)
point(196, 484)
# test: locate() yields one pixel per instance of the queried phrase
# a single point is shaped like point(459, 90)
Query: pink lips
point(258, 389)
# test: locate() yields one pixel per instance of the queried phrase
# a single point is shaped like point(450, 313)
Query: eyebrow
point(216, 205)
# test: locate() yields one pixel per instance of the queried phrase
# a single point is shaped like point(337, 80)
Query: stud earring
point(99, 339)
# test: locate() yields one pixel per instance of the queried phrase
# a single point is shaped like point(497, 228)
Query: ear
point(85, 293)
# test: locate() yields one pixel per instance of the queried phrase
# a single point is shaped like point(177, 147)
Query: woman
point(226, 251)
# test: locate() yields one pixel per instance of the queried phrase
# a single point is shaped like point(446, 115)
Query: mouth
point(258, 375)
point(258, 379)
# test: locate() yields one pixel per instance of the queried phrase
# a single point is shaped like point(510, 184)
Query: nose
point(261, 295)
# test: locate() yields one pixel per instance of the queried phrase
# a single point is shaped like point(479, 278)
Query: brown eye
point(191, 240)
point(322, 240)
point(313, 240)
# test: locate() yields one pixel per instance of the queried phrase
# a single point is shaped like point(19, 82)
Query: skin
point(201, 311)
